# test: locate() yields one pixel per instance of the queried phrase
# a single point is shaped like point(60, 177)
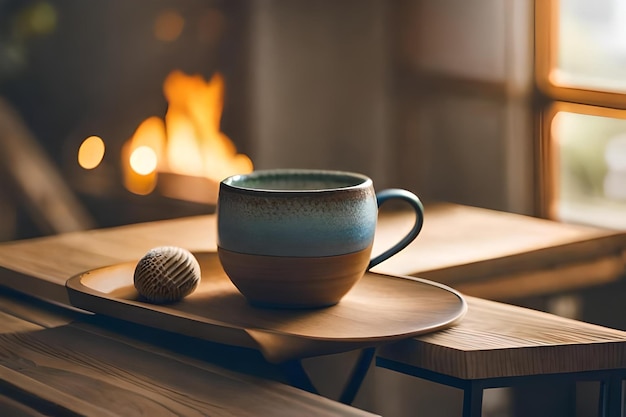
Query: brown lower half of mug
point(294, 282)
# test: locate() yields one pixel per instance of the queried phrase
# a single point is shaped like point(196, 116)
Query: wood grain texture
point(41, 266)
point(36, 312)
point(379, 309)
point(502, 256)
point(85, 374)
point(85, 368)
point(458, 246)
point(12, 324)
point(500, 340)
point(467, 248)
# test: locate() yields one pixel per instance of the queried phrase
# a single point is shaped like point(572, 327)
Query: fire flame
point(188, 141)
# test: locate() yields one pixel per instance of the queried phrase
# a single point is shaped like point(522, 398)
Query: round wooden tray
point(379, 309)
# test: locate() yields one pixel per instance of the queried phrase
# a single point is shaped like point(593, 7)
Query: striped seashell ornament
point(166, 274)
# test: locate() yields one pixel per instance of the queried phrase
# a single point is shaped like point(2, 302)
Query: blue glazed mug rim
point(349, 180)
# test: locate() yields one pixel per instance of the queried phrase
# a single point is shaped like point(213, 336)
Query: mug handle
point(416, 204)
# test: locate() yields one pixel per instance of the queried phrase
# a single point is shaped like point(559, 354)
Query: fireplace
point(305, 85)
point(139, 106)
point(416, 94)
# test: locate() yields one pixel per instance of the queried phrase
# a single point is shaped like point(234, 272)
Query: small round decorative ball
point(166, 274)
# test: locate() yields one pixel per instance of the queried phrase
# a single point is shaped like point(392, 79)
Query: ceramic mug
point(297, 238)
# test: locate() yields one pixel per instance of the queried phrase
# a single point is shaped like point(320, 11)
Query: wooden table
point(483, 253)
point(480, 252)
point(59, 362)
point(503, 256)
point(500, 345)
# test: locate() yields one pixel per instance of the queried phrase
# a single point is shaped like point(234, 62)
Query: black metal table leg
point(611, 397)
point(611, 394)
point(298, 377)
point(358, 375)
point(473, 399)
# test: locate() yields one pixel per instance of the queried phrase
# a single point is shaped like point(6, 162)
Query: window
point(581, 76)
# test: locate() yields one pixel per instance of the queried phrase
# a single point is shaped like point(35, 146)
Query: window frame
point(552, 98)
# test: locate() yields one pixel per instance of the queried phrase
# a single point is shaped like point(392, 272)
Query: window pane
point(591, 43)
point(592, 169)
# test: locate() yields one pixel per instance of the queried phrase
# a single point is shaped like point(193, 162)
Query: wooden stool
point(500, 345)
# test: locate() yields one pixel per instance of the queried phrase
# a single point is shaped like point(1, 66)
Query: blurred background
point(114, 112)
point(430, 96)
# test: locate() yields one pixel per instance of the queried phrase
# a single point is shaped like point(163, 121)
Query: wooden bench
point(499, 345)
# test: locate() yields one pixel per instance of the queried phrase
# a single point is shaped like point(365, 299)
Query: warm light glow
point(182, 150)
point(195, 145)
point(143, 160)
point(188, 141)
point(151, 135)
point(556, 126)
point(168, 26)
point(91, 152)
